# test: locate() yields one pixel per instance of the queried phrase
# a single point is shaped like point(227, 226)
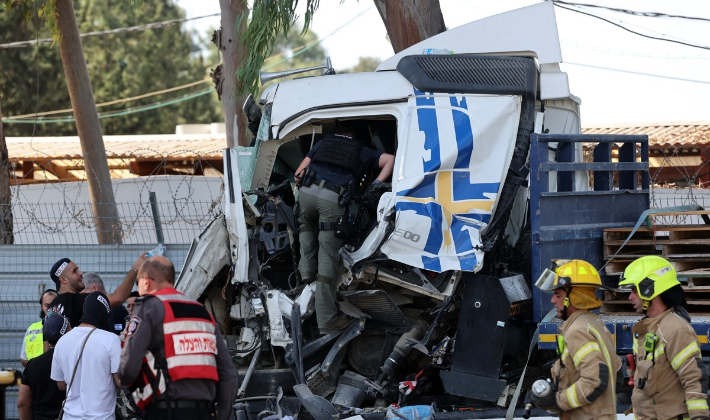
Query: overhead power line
point(110, 114)
point(626, 53)
point(702, 47)
point(638, 72)
point(155, 25)
point(633, 12)
point(117, 101)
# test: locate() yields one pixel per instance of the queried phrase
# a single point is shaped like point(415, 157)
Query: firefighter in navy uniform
point(585, 374)
point(174, 360)
point(331, 167)
point(670, 381)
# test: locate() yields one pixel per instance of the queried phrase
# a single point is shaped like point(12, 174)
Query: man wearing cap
point(33, 344)
point(86, 361)
point(174, 359)
point(584, 377)
point(117, 316)
point(670, 380)
point(69, 280)
point(39, 397)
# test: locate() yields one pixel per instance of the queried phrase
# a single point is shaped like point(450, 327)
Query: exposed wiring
point(138, 28)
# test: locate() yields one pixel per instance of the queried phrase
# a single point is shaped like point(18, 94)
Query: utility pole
point(6, 235)
point(233, 53)
point(103, 203)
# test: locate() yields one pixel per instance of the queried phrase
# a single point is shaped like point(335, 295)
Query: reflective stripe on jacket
point(674, 377)
point(34, 341)
point(586, 372)
point(190, 340)
point(142, 388)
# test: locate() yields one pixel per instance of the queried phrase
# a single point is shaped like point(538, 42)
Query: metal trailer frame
point(569, 224)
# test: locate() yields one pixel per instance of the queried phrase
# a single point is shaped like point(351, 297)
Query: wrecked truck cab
point(436, 277)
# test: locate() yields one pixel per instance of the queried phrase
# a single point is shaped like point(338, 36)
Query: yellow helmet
point(650, 275)
point(576, 273)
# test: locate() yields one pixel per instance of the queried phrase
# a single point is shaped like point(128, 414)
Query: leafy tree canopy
point(120, 66)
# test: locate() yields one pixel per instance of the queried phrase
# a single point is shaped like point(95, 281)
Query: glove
point(545, 403)
point(374, 192)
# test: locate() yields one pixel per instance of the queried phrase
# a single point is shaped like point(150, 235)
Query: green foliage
point(120, 66)
point(270, 18)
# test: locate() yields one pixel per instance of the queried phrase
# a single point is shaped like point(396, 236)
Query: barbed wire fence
point(52, 220)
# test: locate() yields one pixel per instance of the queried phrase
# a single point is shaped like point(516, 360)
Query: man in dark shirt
point(39, 398)
point(117, 316)
point(69, 280)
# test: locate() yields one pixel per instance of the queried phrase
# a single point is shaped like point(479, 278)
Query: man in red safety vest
point(174, 360)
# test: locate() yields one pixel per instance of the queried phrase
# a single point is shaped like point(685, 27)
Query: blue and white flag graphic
point(447, 177)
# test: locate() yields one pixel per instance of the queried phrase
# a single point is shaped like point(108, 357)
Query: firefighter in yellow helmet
point(585, 374)
point(670, 379)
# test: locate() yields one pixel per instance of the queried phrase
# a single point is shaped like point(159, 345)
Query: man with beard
point(69, 280)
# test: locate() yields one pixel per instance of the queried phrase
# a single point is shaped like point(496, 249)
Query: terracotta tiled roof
point(138, 146)
point(680, 134)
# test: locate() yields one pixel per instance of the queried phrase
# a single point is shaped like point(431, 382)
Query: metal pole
point(156, 218)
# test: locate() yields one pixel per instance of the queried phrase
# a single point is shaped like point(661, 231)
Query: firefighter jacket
point(670, 378)
point(34, 345)
point(586, 372)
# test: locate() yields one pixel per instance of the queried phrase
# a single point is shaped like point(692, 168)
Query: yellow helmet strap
point(646, 304)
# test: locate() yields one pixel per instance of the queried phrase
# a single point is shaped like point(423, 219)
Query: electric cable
point(117, 101)
point(138, 28)
point(688, 44)
point(110, 114)
point(633, 12)
point(638, 72)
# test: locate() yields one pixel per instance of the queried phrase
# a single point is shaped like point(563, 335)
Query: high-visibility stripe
point(697, 405)
point(180, 326)
point(684, 355)
point(607, 357)
point(636, 347)
point(191, 360)
point(659, 351)
point(572, 397)
point(174, 297)
point(584, 351)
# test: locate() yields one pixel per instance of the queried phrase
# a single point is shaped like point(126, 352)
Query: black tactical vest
point(341, 151)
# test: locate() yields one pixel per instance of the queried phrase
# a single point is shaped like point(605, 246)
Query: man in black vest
point(332, 163)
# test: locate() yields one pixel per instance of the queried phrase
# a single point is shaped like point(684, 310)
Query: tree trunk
point(6, 236)
point(410, 21)
point(108, 226)
point(233, 53)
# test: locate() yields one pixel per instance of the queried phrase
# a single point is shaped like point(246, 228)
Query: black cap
point(96, 309)
point(55, 326)
point(134, 294)
point(57, 269)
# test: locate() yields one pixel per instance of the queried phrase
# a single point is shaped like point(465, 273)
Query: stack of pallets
point(686, 246)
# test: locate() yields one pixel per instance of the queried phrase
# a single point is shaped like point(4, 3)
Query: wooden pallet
point(687, 247)
point(698, 298)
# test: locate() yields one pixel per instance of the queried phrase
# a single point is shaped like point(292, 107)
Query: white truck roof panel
point(528, 29)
